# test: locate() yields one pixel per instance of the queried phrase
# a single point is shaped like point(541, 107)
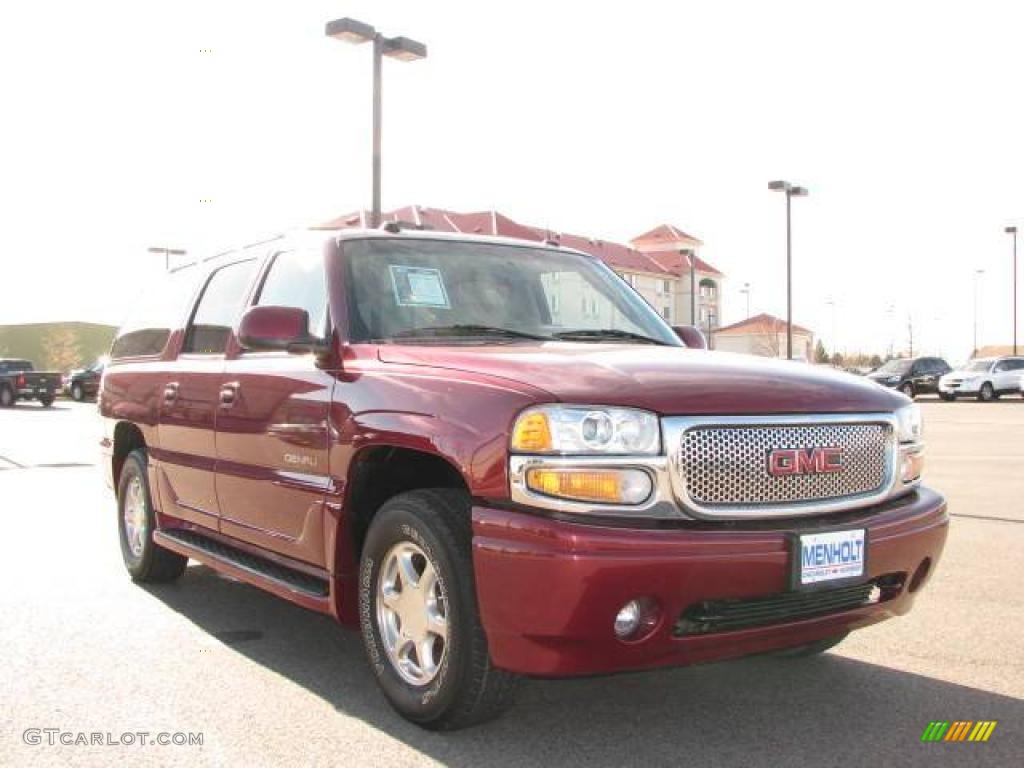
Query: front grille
point(729, 615)
point(727, 466)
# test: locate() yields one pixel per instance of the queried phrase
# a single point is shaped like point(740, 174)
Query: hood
point(667, 380)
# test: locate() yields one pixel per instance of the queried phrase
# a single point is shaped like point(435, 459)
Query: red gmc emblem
point(805, 461)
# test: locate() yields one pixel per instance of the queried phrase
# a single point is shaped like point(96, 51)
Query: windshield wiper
point(601, 334)
point(467, 329)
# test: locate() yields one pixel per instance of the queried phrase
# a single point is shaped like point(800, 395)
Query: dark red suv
point(495, 459)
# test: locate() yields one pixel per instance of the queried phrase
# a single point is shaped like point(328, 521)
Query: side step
point(253, 569)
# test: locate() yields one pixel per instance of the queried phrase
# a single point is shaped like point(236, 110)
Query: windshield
point(895, 366)
point(426, 290)
point(979, 365)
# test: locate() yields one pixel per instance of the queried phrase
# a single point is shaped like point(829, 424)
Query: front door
point(272, 427)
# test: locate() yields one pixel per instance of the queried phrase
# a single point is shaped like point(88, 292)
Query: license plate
point(832, 556)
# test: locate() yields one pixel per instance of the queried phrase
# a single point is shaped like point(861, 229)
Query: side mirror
point(266, 329)
point(691, 336)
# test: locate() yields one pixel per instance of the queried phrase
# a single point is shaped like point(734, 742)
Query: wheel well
point(381, 473)
point(127, 437)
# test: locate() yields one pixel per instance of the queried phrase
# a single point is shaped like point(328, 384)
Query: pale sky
point(904, 119)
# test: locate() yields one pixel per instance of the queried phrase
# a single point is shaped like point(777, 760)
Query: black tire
point(154, 564)
point(987, 393)
point(7, 398)
point(46, 400)
point(812, 649)
point(467, 688)
point(77, 393)
point(908, 390)
point(949, 398)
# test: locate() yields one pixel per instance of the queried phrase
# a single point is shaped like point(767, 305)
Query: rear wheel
point(145, 560)
point(77, 393)
point(812, 649)
point(419, 616)
point(987, 393)
point(908, 390)
point(6, 397)
point(46, 400)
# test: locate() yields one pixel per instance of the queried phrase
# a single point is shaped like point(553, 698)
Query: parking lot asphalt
point(267, 683)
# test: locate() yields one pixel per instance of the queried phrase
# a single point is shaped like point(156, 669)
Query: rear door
point(1006, 374)
point(190, 395)
point(272, 426)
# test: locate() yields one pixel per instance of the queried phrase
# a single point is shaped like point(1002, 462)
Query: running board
point(310, 591)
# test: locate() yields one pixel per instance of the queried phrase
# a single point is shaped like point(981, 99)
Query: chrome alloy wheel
point(135, 517)
point(412, 613)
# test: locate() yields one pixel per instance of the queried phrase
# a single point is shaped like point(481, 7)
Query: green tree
point(820, 354)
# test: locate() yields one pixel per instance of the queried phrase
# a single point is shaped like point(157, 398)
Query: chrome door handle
point(228, 394)
point(170, 392)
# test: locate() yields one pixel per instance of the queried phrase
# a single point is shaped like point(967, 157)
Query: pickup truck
point(433, 439)
point(18, 381)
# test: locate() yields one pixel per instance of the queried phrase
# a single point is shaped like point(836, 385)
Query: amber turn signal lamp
point(532, 433)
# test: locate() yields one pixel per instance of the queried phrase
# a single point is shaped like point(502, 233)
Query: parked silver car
point(985, 378)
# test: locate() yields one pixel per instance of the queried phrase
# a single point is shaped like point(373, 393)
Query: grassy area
point(56, 346)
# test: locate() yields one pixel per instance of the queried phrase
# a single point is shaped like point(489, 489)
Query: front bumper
point(959, 387)
point(549, 590)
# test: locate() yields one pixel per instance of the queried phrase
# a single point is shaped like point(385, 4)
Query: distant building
point(657, 265)
point(764, 335)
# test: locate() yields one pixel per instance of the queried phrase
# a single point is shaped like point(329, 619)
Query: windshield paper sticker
point(418, 287)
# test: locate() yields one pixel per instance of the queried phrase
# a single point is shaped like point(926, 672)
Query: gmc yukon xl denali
point(496, 460)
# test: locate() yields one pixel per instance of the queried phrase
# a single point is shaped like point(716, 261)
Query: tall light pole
point(167, 252)
point(401, 48)
point(791, 191)
point(745, 290)
point(1012, 232)
point(977, 275)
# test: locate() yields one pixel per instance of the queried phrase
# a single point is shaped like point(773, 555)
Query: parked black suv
point(84, 382)
point(912, 376)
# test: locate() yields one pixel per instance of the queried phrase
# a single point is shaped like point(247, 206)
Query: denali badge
point(805, 461)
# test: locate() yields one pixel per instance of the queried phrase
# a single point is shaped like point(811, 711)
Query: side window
point(296, 279)
point(1002, 365)
point(219, 307)
point(159, 310)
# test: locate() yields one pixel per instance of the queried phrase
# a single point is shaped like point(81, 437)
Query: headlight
point(576, 430)
point(910, 430)
point(893, 379)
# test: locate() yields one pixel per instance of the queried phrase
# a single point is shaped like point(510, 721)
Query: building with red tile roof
point(764, 335)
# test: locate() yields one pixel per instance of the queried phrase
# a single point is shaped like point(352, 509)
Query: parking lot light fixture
point(791, 191)
point(400, 48)
point(167, 252)
point(1012, 232)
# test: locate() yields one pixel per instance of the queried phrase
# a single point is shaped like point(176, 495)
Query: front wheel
point(419, 617)
point(6, 397)
point(46, 400)
point(908, 390)
point(77, 393)
point(145, 560)
point(949, 398)
point(987, 393)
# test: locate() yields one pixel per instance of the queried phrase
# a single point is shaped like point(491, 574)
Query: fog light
point(637, 619)
point(627, 621)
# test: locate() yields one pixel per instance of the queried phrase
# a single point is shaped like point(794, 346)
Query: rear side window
point(296, 279)
point(219, 307)
point(160, 310)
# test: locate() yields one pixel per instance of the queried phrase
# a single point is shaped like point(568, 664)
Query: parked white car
point(985, 378)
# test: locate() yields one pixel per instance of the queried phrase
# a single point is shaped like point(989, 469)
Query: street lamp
point(835, 338)
point(791, 191)
point(977, 275)
point(167, 252)
point(1012, 232)
point(401, 48)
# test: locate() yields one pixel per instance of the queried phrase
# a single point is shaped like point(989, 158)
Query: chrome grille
point(727, 466)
